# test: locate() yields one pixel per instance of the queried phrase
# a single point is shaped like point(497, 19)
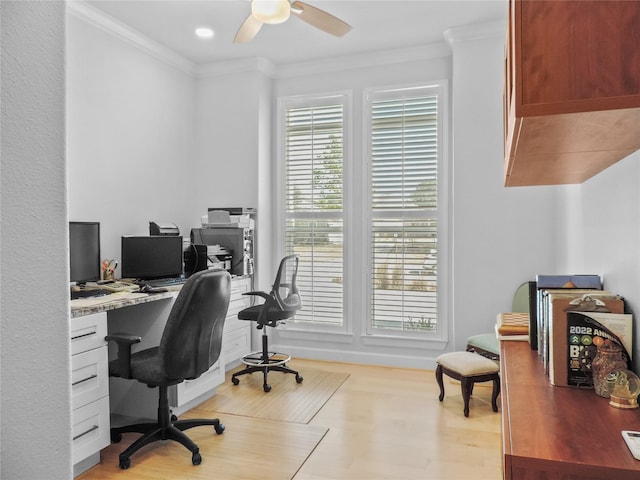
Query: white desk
point(96, 398)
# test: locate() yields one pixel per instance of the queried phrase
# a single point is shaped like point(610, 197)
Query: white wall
point(232, 148)
point(502, 237)
point(131, 134)
point(604, 213)
point(35, 355)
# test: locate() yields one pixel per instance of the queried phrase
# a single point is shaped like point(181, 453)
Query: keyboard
point(75, 294)
point(119, 287)
point(163, 282)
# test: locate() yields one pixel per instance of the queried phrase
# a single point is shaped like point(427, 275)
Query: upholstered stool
point(469, 368)
point(485, 344)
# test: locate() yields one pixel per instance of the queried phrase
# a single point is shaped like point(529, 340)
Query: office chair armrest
point(268, 302)
point(124, 342)
point(264, 295)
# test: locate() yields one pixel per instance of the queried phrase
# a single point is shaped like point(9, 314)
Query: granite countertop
point(88, 306)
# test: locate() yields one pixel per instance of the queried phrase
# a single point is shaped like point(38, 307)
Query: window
point(403, 154)
point(388, 191)
point(313, 204)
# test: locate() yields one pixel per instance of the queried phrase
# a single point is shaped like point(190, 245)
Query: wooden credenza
point(559, 433)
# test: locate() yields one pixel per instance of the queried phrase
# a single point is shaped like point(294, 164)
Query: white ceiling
point(377, 25)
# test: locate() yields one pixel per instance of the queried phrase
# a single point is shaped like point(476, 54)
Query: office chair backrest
point(284, 289)
point(192, 338)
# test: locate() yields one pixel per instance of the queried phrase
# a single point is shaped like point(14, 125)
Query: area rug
point(287, 401)
point(249, 449)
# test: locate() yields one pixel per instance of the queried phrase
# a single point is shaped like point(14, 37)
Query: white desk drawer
point(89, 376)
point(88, 332)
point(90, 429)
point(238, 287)
point(236, 344)
point(237, 302)
point(190, 389)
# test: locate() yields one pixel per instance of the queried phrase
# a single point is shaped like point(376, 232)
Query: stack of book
point(574, 315)
point(513, 326)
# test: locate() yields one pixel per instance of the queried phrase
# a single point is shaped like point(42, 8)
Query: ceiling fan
point(278, 11)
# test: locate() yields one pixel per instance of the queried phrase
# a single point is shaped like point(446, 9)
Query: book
point(585, 331)
point(558, 303)
point(569, 281)
point(533, 329)
point(543, 282)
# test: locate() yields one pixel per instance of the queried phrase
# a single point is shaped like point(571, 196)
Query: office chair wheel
point(125, 463)
point(299, 379)
point(196, 458)
point(219, 428)
point(235, 381)
point(116, 437)
point(266, 387)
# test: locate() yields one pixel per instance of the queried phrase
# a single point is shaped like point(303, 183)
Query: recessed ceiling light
point(204, 32)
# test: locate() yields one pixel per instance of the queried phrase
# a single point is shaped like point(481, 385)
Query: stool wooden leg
point(496, 391)
point(440, 382)
point(467, 387)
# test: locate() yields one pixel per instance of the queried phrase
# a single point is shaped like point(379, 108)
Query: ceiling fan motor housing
point(271, 11)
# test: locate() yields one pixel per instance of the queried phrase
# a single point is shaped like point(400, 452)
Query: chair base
point(256, 359)
point(256, 362)
point(168, 427)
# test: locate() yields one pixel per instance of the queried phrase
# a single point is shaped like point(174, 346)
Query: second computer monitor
point(146, 258)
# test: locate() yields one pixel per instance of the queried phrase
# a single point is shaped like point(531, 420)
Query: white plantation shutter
point(313, 206)
point(403, 158)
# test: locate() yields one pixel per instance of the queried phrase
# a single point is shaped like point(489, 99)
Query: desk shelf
point(559, 433)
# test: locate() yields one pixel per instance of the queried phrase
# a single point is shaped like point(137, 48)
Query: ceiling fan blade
point(320, 19)
point(249, 29)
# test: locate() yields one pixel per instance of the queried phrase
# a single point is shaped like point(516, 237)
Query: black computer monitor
point(146, 258)
point(84, 251)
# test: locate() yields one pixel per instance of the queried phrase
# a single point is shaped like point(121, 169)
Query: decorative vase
point(608, 358)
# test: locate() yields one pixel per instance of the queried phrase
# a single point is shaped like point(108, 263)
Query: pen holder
point(108, 275)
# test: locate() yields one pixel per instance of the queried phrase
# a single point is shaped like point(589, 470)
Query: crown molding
point(254, 64)
point(364, 60)
point(328, 65)
point(477, 31)
point(95, 17)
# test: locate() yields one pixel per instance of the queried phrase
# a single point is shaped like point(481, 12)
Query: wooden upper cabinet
point(572, 89)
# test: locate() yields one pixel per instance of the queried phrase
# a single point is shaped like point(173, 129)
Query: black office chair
point(190, 345)
point(283, 302)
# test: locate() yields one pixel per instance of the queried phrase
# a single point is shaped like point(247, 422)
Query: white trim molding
point(477, 31)
point(95, 17)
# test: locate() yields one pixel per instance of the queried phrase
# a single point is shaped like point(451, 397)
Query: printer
point(163, 229)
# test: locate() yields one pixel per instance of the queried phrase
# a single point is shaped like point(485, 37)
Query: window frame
point(357, 244)
point(286, 102)
point(372, 335)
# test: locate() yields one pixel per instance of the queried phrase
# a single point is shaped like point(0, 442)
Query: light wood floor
point(385, 423)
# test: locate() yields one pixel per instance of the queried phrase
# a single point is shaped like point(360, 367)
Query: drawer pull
point(95, 427)
point(83, 335)
point(84, 380)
